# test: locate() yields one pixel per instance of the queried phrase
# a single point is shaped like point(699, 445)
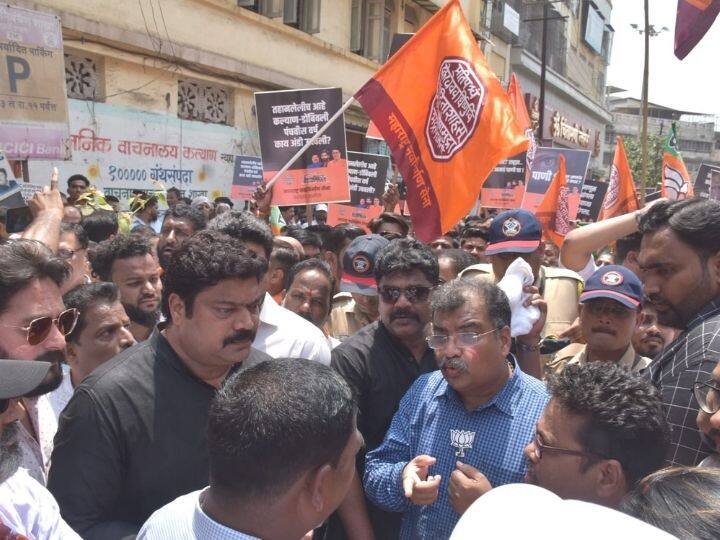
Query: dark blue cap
point(359, 264)
point(514, 231)
point(616, 283)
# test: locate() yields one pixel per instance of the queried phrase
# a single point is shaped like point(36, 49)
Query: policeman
point(517, 233)
point(357, 303)
point(610, 312)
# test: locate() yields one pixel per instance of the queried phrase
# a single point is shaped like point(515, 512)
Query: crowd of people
point(202, 377)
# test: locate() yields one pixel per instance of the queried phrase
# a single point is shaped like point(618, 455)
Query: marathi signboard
point(287, 120)
point(33, 109)
point(591, 200)
point(247, 177)
point(120, 149)
point(367, 174)
point(707, 183)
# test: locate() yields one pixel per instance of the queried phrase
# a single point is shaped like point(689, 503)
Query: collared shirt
point(689, 359)
point(284, 334)
point(28, 509)
point(345, 317)
point(379, 369)
point(184, 519)
point(132, 439)
point(36, 452)
point(432, 420)
point(60, 397)
point(577, 354)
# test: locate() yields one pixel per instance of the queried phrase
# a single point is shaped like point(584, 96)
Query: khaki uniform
point(576, 354)
point(345, 317)
point(559, 287)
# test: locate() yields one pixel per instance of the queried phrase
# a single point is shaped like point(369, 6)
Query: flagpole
point(646, 77)
point(309, 143)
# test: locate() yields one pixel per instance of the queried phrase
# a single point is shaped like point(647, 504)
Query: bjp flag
point(554, 212)
point(620, 197)
point(523, 120)
point(694, 19)
point(445, 117)
point(675, 178)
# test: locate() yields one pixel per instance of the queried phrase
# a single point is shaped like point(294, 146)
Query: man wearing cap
point(358, 280)
point(517, 233)
point(27, 509)
point(610, 311)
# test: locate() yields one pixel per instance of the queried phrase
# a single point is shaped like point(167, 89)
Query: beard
point(54, 376)
point(10, 453)
point(148, 319)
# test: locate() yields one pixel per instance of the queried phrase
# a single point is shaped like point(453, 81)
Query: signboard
point(287, 119)
point(544, 169)
point(505, 187)
point(591, 200)
point(33, 109)
point(367, 174)
point(511, 19)
point(707, 183)
point(247, 177)
point(120, 149)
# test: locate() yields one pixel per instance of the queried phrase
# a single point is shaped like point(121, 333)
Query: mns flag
point(675, 178)
point(445, 117)
point(694, 19)
point(620, 197)
point(554, 212)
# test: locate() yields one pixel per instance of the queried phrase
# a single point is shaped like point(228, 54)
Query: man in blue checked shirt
point(462, 429)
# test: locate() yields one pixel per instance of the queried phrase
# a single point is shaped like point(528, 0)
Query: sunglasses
point(39, 329)
point(414, 294)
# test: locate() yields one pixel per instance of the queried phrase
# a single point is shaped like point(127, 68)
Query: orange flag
point(554, 210)
point(522, 117)
point(445, 117)
point(675, 178)
point(620, 197)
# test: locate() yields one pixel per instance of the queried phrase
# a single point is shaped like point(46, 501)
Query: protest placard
point(591, 200)
point(246, 177)
point(367, 174)
point(287, 120)
point(505, 187)
point(707, 183)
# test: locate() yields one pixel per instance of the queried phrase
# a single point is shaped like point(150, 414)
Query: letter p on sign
point(18, 69)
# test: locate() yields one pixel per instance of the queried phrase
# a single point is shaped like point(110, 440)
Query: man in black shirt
point(132, 438)
point(382, 360)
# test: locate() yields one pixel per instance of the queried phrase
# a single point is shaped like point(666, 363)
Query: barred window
point(204, 102)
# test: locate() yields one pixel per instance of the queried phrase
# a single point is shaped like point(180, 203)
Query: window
point(203, 101)
point(81, 78)
point(302, 14)
point(370, 30)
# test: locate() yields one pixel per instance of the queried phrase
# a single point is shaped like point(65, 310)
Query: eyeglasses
point(414, 294)
point(39, 329)
point(707, 395)
point(540, 448)
point(463, 339)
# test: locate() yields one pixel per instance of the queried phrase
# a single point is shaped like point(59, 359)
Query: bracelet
point(521, 347)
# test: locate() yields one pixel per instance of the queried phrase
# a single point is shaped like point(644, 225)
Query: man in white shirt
point(27, 509)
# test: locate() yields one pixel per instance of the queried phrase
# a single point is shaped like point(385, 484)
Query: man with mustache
point(127, 260)
point(27, 509)
point(680, 264)
point(610, 312)
point(33, 326)
point(179, 223)
point(462, 427)
point(651, 337)
point(132, 438)
point(384, 358)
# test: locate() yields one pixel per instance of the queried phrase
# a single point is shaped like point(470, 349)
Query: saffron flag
point(621, 197)
point(554, 210)
point(445, 117)
point(694, 19)
point(524, 123)
point(675, 178)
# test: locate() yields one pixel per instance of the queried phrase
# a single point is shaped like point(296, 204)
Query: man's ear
point(176, 308)
point(611, 483)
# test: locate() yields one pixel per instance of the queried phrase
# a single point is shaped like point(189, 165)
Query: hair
point(475, 232)
point(456, 293)
point(625, 245)
point(311, 264)
point(204, 260)
point(186, 200)
point(245, 227)
point(123, 246)
point(336, 238)
point(176, 191)
point(460, 258)
point(85, 297)
point(225, 200)
point(21, 262)
point(624, 415)
point(283, 258)
point(305, 237)
point(112, 198)
point(79, 232)
point(101, 225)
point(405, 255)
point(182, 211)
point(142, 202)
point(75, 177)
point(682, 501)
point(695, 221)
point(264, 434)
point(388, 217)
point(145, 231)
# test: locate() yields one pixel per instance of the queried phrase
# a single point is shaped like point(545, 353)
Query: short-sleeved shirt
point(577, 354)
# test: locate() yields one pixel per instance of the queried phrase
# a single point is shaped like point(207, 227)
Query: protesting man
point(651, 337)
point(132, 437)
point(179, 223)
point(470, 420)
point(72, 247)
point(474, 240)
point(76, 186)
point(145, 212)
point(281, 457)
